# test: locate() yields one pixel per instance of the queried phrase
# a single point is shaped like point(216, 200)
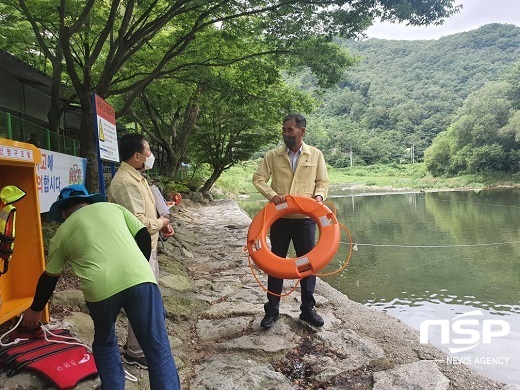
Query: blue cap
point(72, 191)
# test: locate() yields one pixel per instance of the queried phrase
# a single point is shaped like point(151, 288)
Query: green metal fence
point(17, 129)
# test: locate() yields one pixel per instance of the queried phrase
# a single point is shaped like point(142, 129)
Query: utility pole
point(350, 155)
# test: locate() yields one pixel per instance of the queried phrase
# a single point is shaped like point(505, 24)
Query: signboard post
point(106, 136)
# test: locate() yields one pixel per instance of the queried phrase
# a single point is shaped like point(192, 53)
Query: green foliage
point(119, 49)
point(167, 185)
point(487, 158)
point(511, 130)
point(404, 93)
point(483, 113)
point(240, 114)
point(326, 60)
point(483, 136)
point(17, 36)
point(514, 80)
point(437, 156)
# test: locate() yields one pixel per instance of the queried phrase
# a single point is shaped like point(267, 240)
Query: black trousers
point(302, 234)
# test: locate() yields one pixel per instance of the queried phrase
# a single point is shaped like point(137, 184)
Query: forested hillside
point(401, 94)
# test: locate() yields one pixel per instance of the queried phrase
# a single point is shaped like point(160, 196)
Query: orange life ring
point(300, 267)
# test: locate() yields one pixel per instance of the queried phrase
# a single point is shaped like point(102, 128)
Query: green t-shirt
point(98, 242)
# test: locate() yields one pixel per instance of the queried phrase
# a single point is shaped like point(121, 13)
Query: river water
point(445, 263)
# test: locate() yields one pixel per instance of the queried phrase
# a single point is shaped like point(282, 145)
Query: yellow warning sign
point(101, 131)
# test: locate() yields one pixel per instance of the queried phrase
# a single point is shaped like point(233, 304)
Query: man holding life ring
point(294, 169)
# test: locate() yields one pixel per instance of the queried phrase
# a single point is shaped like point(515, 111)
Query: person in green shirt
point(108, 248)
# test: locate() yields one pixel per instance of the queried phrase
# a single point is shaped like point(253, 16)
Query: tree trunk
point(181, 140)
point(209, 183)
point(55, 110)
point(167, 168)
point(88, 143)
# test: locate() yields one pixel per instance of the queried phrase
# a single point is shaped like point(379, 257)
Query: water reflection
point(460, 242)
point(434, 256)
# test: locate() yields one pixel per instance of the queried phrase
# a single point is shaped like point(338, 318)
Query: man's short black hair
point(73, 201)
point(298, 118)
point(130, 144)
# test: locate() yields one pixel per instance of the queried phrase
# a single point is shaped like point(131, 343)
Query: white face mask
point(148, 163)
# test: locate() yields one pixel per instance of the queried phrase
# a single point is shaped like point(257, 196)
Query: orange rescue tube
point(300, 267)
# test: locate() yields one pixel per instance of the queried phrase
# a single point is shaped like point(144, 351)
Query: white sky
point(475, 13)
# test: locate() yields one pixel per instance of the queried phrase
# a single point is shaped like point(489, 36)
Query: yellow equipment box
point(18, 162)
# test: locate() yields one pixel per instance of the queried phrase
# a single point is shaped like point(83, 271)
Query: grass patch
point(237, 179)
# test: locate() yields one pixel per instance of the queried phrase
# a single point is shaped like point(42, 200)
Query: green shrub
point(168, 186)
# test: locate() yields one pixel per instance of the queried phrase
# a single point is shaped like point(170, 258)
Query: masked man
point(130, 189)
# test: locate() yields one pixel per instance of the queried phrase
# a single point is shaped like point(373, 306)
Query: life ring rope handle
point(262, 285)
point(349, 255)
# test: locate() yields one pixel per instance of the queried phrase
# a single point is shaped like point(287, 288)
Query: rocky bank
point(214, 307)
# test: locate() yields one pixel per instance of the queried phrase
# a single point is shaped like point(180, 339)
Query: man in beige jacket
point(294, 169)
point(130, 189)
